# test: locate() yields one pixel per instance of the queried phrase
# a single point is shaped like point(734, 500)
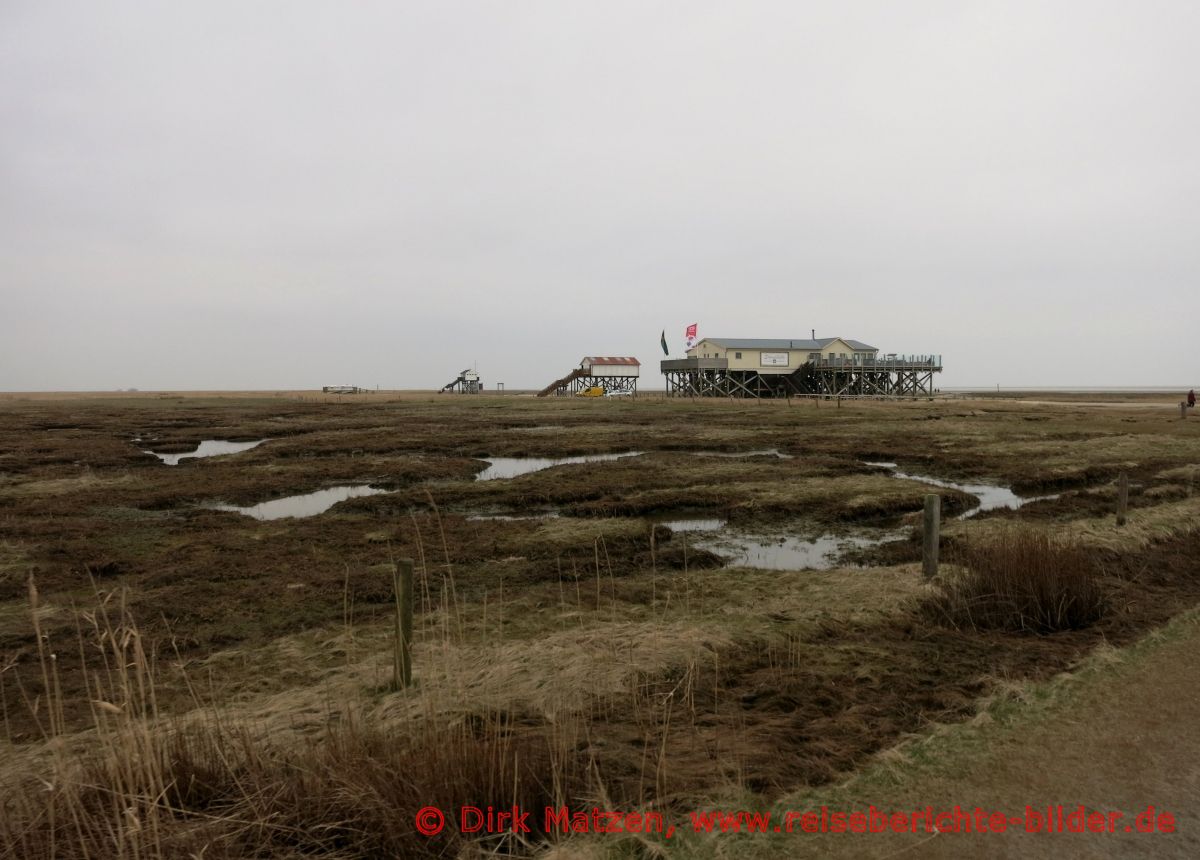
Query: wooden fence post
point(933, 522)
point(1182, 409)
point(402, 583)
point(1122, 497)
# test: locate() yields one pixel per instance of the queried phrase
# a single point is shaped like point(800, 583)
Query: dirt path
point(1130, 739)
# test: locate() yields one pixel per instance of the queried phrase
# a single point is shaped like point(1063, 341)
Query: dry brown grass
point(1144, 526)
point(1022, 581)
point(140, 785)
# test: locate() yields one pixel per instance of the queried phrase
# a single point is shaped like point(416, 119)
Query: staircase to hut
point(561, 384)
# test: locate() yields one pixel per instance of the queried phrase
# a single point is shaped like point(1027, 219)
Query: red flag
point(690, 335)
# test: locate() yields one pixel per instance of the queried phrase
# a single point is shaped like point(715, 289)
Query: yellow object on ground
point(594, 391)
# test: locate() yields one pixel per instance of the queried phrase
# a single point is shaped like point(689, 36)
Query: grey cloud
point(233, 195)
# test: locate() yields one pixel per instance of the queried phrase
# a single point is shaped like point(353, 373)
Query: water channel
point(208, 448)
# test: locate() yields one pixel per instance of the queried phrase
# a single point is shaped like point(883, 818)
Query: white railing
point(882, 362)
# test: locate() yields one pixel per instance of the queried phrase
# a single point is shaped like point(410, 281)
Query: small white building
point(611, 366)
point(616, 374)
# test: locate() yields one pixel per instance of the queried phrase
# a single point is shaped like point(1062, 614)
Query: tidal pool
point(765, 452)
point(692, 524)
point(990, 496)
point(549, 515)
point(307, 505)
point(207, 448)
point(787, 552)
point(510, 467)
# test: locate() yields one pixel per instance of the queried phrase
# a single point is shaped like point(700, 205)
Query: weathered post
point(1182, 410)
point(933, 523)
point(402, 583)
point(1122, 497)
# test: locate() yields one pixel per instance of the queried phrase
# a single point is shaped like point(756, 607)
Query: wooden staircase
point(562, 383)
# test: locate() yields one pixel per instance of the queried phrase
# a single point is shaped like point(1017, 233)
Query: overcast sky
point(244, 195)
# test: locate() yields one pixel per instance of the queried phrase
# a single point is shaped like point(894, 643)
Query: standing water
point(789, 553)
point(990, 496)
point(510, 467)
point(307, 505)
point(207, 448)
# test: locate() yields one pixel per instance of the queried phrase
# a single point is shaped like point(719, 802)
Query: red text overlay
point(1054, 818)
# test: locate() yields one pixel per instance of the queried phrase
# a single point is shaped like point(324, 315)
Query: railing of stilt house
point(887, 362)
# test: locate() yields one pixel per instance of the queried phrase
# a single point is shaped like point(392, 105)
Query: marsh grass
point(589, 683)
point(1020, 580)
point(139, 784)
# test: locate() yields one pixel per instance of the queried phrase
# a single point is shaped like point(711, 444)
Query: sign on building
point(773, 359)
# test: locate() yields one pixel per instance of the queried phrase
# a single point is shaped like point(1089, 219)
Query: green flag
point(664, 343)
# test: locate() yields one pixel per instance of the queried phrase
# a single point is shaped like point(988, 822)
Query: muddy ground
point(799, 690)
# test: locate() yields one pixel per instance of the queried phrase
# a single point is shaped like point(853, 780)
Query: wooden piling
point(402, 583)
point(1122, 498)
point(933, 523)
point(1182, 410)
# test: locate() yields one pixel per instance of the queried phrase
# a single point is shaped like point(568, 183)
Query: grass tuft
point(1023, 581)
